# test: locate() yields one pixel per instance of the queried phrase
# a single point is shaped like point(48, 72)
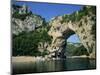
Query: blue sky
point(74, 38)
point(48, 11)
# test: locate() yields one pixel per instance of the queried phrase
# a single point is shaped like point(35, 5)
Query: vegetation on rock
point(27, 43)
point(77, 16)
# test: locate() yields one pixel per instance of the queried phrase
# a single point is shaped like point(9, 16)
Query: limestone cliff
point(29, 31)
point(82, 23)
point(28, 24)
point(24, 20)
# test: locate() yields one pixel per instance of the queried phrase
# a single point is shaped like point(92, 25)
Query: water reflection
point(54, 65)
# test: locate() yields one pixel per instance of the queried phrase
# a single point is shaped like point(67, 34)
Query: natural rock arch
point(83, 24)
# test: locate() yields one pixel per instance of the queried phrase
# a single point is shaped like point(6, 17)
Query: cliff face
point(29, 31)
point(82, 23)
point(30, 23)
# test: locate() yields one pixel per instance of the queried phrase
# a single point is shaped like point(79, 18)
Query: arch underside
point(58, 50)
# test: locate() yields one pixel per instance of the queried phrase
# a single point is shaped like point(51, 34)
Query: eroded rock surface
point(82, 23)
point(30, 23)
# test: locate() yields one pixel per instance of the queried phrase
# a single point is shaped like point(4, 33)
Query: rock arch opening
point(62, 31)
point(59, 43)
point(82, 23)
point(74, 47)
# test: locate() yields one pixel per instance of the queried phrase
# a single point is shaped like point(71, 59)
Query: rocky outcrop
point(43, 46)
point(23, 20)
point(82, 23)
point(30, 23)
point(31, 30)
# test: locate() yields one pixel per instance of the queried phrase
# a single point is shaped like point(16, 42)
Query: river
point(53, 66)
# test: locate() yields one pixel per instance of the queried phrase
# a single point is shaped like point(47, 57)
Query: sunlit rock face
point(23, 20)
point(82, 23)
point(30, 23)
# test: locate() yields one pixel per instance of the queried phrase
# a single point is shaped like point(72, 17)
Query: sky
point(74, 38)
point(50, 10)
